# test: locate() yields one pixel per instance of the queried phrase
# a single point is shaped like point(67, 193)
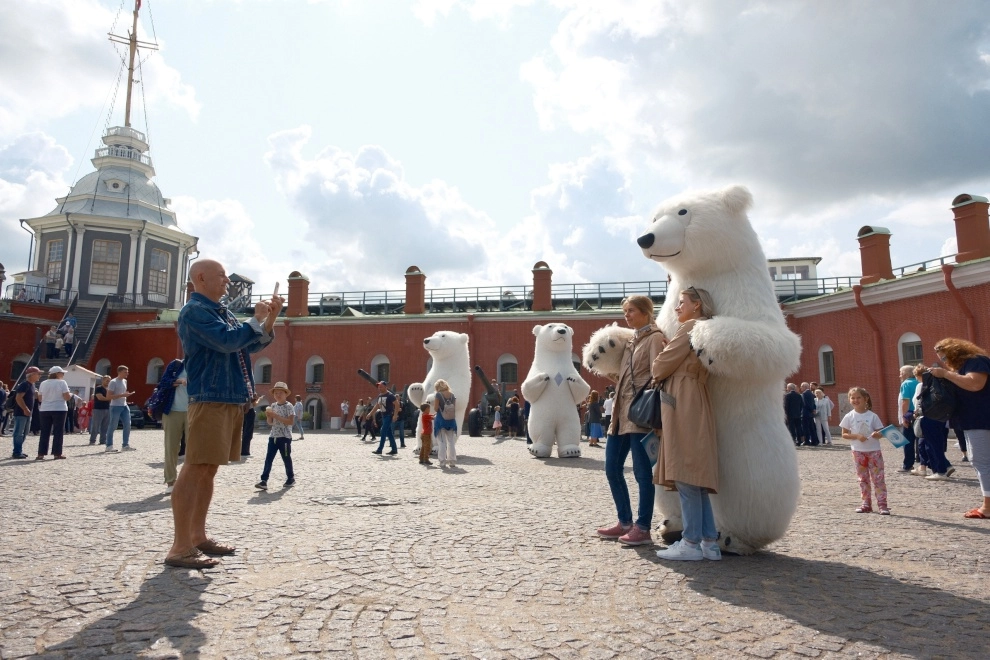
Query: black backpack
point(938, 398)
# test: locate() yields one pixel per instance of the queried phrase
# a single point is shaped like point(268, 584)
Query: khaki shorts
point(214, 433)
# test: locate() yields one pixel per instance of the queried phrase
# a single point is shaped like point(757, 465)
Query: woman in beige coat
point(624, 436)
point(688, 454)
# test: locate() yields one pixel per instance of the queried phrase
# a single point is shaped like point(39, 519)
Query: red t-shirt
point(427, 422)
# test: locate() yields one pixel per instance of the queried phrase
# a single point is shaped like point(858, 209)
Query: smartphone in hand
point(275, 293)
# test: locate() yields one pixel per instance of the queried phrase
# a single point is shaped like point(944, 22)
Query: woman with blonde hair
point(445, 424)
point(625, 436)
point(967, 367)
point(688, 461)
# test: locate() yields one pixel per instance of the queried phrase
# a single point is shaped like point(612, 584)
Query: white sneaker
point(682, 551)
point(111, 450)
point(168, 489)
point(937, 477)
point(920, 471)
point(128, 448)
point(710, 550)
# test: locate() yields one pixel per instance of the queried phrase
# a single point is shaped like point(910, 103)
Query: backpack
point(447, 407)
point(10, 402)
point(155, 405)
point(938, 398)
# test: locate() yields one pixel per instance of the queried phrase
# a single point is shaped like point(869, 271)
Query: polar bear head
point(445, 344)
point(706, 230)
point(554, 338)
point(602, 354)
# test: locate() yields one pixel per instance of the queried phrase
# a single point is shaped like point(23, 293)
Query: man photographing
point(217, 351)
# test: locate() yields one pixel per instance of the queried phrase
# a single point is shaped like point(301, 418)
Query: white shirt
point(607, 406)
point(864, 424)
point(52, 399)
point(298, 408)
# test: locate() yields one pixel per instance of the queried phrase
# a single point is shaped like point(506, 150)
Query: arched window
point(826, 365)
point(508, 368)
point(380, 368)
point(263, 371)
point(909, 349)
point(18, 365)
point(155, 369)
point(103, 367)
point(314, 369)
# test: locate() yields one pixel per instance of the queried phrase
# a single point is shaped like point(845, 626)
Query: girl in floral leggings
point(861, 427)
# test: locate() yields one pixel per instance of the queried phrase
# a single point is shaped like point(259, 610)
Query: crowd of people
point(207, 405)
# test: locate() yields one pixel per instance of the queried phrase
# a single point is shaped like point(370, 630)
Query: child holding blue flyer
point(861, 427)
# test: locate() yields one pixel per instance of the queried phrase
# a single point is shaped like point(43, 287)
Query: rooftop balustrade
point(123, 152)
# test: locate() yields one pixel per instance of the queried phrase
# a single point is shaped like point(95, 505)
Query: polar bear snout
point(561, 331)
point(646, 240)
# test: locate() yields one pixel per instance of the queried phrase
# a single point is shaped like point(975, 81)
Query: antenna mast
point(132, 45)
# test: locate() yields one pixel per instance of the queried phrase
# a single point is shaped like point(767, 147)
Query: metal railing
point(39, 294)
point(81, 350)
point(128, 132)
point(123, 152)
point(924, 266)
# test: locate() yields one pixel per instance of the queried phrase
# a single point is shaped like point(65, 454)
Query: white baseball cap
point(56, 370)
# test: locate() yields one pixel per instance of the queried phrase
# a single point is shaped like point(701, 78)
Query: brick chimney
point(298, 304)
point(415, 291)
point(874, 253)
point(972, 227)
point(542, 300)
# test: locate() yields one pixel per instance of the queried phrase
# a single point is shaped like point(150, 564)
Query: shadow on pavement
point(155, 502)
point(848, 602)
point(157, 622)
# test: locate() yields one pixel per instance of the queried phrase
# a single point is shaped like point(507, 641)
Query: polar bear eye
point(682, 212)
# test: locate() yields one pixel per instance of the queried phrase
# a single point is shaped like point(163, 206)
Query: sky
point(351, 139)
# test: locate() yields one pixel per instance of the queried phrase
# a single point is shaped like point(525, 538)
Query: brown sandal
point(211, 547)
point(191, 558)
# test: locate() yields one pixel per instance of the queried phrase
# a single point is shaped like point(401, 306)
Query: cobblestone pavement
point(379, 557)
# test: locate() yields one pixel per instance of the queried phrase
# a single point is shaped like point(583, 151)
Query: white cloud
point(32, 175)
point(51, 72)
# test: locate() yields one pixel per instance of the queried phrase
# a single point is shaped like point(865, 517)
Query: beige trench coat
point(688, 452)
point(644, 348)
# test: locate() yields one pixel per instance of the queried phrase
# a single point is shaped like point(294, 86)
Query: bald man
point(218, 364)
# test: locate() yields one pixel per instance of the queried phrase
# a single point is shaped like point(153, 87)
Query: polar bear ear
point(536, 330)
point(463, 337)
point(737, 198)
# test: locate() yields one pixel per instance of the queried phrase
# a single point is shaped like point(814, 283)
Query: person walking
point(625, 436)
point(174, 407)
point(120, 413)
point(386, 404)
point(280, 415)
point(53, 394)
point(297, 422)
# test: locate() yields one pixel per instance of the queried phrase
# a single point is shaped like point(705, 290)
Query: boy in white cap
point(280, 417)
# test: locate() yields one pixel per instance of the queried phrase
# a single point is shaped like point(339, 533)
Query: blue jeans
point(616, 450)
point(696, 513)
point(117, 414)
point(933, 443)
point(297, 422)
point(386, 433)
point(402, 431)
point(281, 446)
point(21, 425)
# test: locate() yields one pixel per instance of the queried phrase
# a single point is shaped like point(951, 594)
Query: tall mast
point(132, 45)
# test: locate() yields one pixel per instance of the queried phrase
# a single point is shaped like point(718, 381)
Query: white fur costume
point(451, 363)
point(554, 388)
point(705, 240)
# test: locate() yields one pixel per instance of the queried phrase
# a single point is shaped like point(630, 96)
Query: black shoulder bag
point(645, 407)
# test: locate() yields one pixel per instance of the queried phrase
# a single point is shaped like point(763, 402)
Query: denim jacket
point(211, 339)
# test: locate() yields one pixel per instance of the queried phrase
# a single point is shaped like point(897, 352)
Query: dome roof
point(117, 191)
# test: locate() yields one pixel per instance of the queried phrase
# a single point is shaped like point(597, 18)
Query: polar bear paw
point(569, 451)
point(416, 393)
point(602, 354)
point(540, 451)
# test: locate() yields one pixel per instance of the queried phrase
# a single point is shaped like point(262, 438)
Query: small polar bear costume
point(554, 388)
point(452, 363)
point(603, 352)
point(705, 240)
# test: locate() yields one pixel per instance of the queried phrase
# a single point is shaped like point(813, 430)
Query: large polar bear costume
point(554, 388)
point(452, 363)
point(705, 240)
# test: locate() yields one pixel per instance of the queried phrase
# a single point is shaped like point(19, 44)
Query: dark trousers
point(810, 431)
point(796, 428)
point(386, 434)
point(282, 446)
point(932, 445)
point(911, 448)
point(52, 353)
point(961, 437)
point(247, 432)
point(52, 426)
